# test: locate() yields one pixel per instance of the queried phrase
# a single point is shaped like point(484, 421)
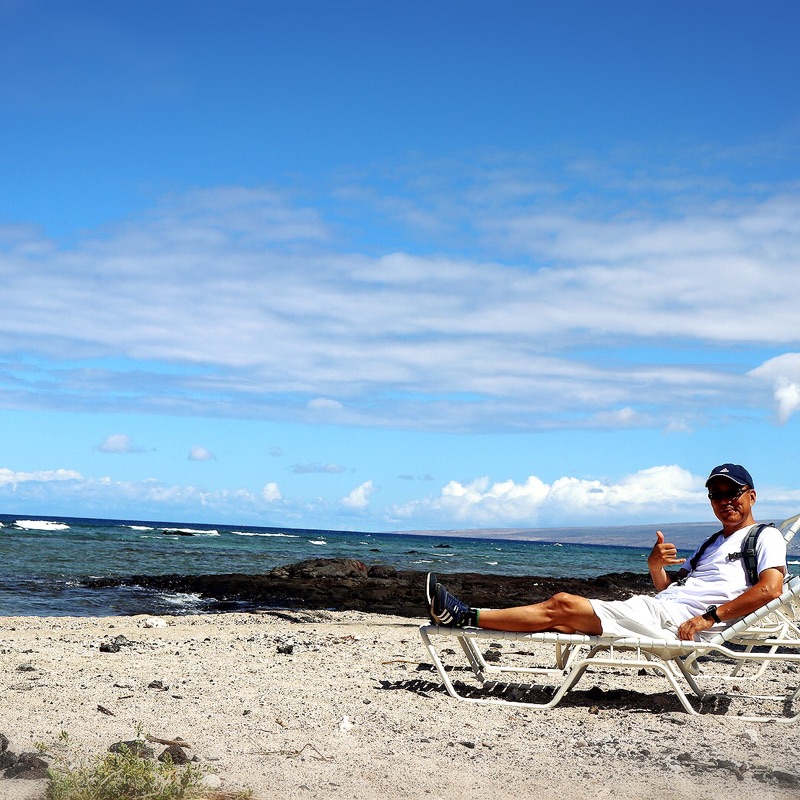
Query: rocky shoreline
point(342, 584)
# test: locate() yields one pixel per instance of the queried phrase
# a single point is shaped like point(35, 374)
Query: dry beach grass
point(336, 704)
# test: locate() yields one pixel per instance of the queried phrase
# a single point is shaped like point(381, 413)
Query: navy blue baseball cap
point(733, 472)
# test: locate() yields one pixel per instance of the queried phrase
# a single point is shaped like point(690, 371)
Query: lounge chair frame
point(673, 659)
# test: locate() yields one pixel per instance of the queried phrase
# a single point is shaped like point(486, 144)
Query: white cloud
point(118, 443)
point(784, 373)
point(200, 453)
point(13, 479)
point(661, 489)
point(271, 492)
point(787, 396)
point(359, 497)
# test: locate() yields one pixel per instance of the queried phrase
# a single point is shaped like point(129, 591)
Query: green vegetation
point(125, 775)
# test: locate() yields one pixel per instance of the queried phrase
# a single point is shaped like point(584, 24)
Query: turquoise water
point(42, 560)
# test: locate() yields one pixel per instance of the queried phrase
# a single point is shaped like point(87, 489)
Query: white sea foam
point(274, 535)
point(139, 527)
point(317, 541)
point(492, 563)
point(40, 525)
point(191, 532)
point(183, 600)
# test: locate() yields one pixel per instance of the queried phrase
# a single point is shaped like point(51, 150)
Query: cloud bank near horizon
point(660, 493)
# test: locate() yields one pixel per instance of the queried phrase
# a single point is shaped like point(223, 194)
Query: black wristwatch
point(711, 611)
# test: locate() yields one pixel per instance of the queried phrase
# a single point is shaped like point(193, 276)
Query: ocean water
point(42, 561)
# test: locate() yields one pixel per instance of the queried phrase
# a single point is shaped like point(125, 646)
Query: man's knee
point(565, 603)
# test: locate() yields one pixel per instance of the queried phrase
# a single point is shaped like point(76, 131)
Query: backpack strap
point(747, 553)
point(695, 559)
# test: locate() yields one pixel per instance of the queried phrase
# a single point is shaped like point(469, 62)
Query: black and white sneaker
point(448, 610)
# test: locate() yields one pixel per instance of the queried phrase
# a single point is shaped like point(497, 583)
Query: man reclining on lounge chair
point(714, 588)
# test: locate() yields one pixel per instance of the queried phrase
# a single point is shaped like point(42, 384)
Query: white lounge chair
point(780, 625)
point(789, 528)
point(576, 653)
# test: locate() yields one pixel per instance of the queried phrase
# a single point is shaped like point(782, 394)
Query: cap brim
point(727, 478)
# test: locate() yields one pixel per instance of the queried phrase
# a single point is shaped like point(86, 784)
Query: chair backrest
point(789, 528)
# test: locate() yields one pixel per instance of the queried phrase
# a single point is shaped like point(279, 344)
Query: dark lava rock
point(174, 753)
point(28, 767)
point(3, 743)
point(344, 584)
point(135, 746)
point(382, 571)
point(323, 568)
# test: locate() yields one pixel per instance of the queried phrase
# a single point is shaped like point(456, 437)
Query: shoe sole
point(430, 588)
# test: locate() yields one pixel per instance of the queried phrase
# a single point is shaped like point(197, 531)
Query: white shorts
point(636, 616)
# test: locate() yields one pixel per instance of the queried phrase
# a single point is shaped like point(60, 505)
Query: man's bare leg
point(564, 613)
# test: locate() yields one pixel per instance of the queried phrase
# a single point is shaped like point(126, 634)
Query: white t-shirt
point(718, 579)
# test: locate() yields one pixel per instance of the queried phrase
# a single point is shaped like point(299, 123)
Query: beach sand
point(315, 704)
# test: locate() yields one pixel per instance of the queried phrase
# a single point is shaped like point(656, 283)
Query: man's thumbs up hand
point(663, 554)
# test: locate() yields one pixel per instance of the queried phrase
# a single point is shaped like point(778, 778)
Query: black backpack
point(747, 553)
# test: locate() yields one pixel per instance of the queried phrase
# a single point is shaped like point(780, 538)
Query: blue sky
point(430, 265)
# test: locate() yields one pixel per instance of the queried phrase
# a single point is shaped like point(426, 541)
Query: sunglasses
point(729, 494)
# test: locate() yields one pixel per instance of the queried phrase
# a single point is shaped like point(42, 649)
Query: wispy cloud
point(315, 468)
point(119, 443)
point(200, 453)
point(555, 312)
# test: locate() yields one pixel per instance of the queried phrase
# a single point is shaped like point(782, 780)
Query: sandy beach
point(319, 704)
